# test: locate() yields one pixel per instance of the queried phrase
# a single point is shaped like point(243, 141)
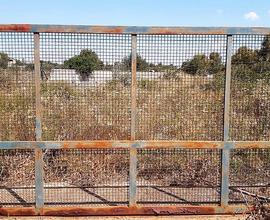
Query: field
point(171, 106)
point(182, 108)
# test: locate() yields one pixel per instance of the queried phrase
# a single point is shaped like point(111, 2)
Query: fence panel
point(177, 99)
point(179, 176)
point(250, 105)
point(17, 96)
point(250, 174)
point(86, 86)
point(17, 178)
point(96, 177)
point(133, 120)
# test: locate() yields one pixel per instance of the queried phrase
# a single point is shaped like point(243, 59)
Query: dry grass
point(184, 108)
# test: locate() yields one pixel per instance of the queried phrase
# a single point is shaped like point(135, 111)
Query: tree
point(264, 52)
point(4, 59)
point(245, 55)
point(215, 63)
point(46, 68)
point(244, 73)
point(84, 63)
point(197, 65)
point(142, 64)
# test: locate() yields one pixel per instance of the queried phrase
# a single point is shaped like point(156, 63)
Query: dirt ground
point(200, 217)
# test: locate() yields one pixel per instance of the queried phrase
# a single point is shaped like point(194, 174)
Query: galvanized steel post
point(39, 188)
point(227, 146)
point(133, 150)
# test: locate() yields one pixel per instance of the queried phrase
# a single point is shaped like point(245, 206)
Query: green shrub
point(84, 63)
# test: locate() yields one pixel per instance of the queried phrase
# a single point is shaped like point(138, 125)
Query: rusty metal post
point(39, 187)
point(227, 147)
point(133, 150)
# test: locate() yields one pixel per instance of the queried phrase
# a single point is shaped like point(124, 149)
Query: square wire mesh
point(249, 175)
point(17, 178)
point(178, 176)
point(250, 88)
point(17, 99)
point(95, 177)
point(85, 86)
point(180, 86)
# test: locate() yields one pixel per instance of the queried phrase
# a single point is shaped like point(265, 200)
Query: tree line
point(248, 65)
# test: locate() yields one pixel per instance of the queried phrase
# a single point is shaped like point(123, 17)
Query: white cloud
point(251, 16)
point(268, 11)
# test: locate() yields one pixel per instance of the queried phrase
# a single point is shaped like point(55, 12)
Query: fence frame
point(132, 145)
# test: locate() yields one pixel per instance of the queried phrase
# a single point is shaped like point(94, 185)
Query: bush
point(142, 64)
point(84, 63)
point(202, 65)
point(245, 75)
point(5, 79)
point(4, 60)
point(123, 77)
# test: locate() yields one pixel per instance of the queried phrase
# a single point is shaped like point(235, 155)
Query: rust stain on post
point(251, 144)
point(124, 210)
point(15, 27)
point(22, 211)
point(80, 29)
point(95, 144)
point(183, 30)
point(182, 144)
point(115, 30)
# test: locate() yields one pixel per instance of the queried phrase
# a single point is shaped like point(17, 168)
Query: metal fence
point(133, 120)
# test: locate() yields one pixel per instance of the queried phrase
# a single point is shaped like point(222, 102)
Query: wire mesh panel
point(16, 86)
point(178, 176)
point(17, 178)
point(85, 86)
point(181, 86)
point(86, 177)
point(249, 174)
point(250, 90)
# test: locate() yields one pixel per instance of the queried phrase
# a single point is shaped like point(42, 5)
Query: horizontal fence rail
point(132, 29)
point(107, 120)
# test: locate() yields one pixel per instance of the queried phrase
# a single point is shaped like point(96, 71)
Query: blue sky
point(138, 12)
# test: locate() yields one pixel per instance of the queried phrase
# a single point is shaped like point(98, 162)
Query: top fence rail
point(132, 29)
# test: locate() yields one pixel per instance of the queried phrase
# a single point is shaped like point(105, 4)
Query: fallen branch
point(250, 194)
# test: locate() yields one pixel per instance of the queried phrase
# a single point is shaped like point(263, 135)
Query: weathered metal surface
point(123, 210)
point(63, 144)
point(136, 144)
point(39, 185)
point(251, 144)
point(133, 150)
point(21, 211)
point(179, 144)
point(15, 27)
point(227, 99)
point(225, 168)
point(150, 30)
point(38, 130)
point(133, 86)
point(132, 29)
point(133, 177)
point(39, 179)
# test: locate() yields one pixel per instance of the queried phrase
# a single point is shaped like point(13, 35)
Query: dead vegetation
point(183, 108)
